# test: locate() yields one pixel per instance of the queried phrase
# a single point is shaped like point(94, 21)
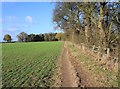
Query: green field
point(29, 64)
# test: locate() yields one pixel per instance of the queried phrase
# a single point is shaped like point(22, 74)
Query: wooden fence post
point(83, 47)
point(108, 53)
point(93, 49)
point(98, 53)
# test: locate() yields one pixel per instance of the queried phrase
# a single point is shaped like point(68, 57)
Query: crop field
point(29, 64)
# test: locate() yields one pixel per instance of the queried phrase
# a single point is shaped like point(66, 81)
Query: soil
point(68, 75)
point(71, 73)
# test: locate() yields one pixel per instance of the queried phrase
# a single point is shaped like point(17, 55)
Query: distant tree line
point(24, 37)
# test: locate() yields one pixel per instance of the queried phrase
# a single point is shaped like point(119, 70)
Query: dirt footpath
point(68, 74)
point(71, 73)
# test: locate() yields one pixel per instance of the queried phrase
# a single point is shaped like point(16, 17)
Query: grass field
point(29, 64)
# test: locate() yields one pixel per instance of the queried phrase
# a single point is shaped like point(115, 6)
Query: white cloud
point(10, 18)
point(28, 19)
point(12, 29)
point(25, 26)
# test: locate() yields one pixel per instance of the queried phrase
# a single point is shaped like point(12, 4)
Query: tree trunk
point(100, 27)
point(86, 22)
point(109, 34)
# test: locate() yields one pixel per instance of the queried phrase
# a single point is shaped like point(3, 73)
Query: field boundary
point(93, 69)
point(57, 73)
